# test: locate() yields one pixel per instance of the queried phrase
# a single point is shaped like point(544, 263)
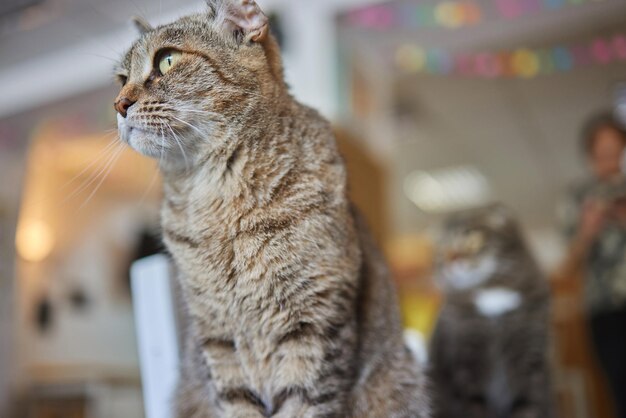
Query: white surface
point(416, 342)
point(497, 301)
point(156, 333)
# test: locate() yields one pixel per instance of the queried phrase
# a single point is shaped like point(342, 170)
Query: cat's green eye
point(168, 59)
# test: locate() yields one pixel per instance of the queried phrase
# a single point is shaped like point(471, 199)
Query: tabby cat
point(292, 313)
point(489, 350)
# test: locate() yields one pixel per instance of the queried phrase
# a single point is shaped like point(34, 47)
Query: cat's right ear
point(141, 25)
point(242, 18)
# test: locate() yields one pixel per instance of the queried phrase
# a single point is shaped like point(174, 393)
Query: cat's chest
point(198, 243)
point(495, 302)
point(221, 265)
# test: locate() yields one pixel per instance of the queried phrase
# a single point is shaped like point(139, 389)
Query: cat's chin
point(462, 275)
point(141, 141)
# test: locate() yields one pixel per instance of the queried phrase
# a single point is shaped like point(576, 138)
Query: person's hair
point(598, 122)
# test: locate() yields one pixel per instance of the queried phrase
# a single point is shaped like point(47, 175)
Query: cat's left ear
point(242, 18)
point(141, 25)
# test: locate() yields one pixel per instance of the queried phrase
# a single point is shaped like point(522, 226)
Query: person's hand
point(619, 211)
point(592, 220)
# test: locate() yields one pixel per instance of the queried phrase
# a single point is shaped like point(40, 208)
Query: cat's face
point(183, 81)
point(474, 245)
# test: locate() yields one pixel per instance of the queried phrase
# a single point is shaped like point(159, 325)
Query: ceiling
point(51, 25)
point(571, 21)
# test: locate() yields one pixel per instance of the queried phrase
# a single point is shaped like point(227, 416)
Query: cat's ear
point(244, 19)
point(141, 25)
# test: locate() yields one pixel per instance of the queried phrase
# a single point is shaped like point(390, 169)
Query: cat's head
point(475, 245)
point(185, 81)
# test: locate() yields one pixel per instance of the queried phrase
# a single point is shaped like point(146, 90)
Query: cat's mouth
point(465, 274)
point(140, 139)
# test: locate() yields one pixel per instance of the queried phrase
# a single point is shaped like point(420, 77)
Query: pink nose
point(122, 105)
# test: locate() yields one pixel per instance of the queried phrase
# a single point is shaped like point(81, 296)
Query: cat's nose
point(452, 256)
point(123, 104)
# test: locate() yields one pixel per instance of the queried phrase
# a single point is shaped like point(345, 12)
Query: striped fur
point(490, 364)
point(291, 312)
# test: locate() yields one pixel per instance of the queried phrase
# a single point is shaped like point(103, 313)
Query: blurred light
point(488, 65)
point(546, 61)
point(471, 12)
point(555, 4)
point(425, 14)
point(449, 14)
point(464, 64)
point(509, 8)
point(439, 62)
point(562, 58)
point(601, 51)
point(525, 63)
point(447, 189)
point(410, 58)
point(34, 240)
point(376, 17)
point(619, 46)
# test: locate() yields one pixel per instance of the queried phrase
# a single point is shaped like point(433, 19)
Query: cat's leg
point(233, 397)
point(394, 388)
point(194, 397)
point(535, 399)
point(315, 372)
point(530, 370)
point(190, 402)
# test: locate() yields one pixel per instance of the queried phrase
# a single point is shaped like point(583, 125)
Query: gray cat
point(488, 354)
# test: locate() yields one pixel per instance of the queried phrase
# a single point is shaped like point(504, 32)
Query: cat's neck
point(250, 155)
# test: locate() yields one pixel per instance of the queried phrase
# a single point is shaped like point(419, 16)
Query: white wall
point(522, 134)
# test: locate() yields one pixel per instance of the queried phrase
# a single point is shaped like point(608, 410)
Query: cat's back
point(390, 382)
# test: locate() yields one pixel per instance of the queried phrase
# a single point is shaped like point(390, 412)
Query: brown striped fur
point(291, 310)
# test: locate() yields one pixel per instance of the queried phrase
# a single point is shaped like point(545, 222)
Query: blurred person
point(596, 228)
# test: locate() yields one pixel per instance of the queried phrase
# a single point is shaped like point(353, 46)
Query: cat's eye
point(122, 79)
point(167, 59)
point(474, 241)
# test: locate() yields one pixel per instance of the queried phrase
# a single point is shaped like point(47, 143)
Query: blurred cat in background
point(489, 350)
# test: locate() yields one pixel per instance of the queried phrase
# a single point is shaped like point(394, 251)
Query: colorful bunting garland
point(520, 63)
point(450, 14)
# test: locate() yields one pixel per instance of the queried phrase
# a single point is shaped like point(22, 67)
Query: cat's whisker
point(201, 112)
point(106, 151)
point(145, 194)
point(189, 124)
point(104, 177)
point(156, 172)
point(180, 145)
point(94, 178)
point(115, 60)
point(162, 145)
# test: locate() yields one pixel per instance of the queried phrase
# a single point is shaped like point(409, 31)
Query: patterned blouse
point(605, 281)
